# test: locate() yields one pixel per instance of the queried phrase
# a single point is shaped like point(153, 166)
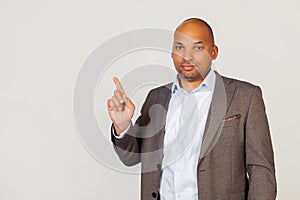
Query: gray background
point(44, 43)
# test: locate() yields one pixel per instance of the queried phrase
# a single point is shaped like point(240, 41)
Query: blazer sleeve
point(259, 151)
point(128, 148)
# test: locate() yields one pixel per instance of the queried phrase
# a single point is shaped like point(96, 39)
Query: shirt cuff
point(122, 133)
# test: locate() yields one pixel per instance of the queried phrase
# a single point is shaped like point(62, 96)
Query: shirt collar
point(207, 84)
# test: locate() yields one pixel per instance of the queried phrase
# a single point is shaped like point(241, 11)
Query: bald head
point(196, 26)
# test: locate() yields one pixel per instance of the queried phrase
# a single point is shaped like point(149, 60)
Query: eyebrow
point(199, 42)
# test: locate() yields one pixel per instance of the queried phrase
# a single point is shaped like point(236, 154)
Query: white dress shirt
point(185, 123)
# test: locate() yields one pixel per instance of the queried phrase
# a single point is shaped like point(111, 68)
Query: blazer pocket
point(231, 121)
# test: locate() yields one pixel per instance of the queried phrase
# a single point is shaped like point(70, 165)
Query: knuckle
point(117, 93)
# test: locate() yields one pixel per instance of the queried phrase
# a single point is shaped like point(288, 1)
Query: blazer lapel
point(222, 96)
point(164, 100)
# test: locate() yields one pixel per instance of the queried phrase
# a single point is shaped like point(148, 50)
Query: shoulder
point(238, 84)
point(243, 88)
point(163, 89)
point(159, 94)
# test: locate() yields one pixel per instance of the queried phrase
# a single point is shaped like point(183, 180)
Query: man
point(213, 140)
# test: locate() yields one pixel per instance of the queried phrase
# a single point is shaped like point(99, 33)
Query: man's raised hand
point(120, 108)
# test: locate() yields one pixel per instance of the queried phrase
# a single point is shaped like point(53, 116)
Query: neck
point(190, 85)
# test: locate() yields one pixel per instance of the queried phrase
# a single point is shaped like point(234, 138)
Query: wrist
point(119, 128)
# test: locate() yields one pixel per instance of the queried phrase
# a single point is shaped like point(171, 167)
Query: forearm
point(127, 147)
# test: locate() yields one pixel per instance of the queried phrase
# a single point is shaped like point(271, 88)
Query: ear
point(214, 53)
point(172, 55)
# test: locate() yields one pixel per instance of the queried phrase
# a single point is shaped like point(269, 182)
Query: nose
point(188, 55)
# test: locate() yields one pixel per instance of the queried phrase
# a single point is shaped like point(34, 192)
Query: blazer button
point(158, 166)
point(154, 195)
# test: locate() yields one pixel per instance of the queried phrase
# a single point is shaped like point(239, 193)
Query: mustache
point(189, 63)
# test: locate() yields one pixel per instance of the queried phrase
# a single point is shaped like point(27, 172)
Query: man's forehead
point(190, 37)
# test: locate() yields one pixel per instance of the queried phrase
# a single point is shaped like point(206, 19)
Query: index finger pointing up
point(118, 85)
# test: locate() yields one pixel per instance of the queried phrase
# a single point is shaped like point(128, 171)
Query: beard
point(190, 76)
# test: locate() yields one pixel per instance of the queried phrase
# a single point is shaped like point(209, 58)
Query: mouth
point(187, 67)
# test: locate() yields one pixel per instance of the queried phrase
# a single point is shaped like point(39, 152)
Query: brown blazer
point(236, 159)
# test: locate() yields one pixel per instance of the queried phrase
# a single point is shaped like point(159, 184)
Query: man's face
point(193, 51)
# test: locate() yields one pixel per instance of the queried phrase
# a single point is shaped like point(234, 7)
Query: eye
point(179, 47)
point(199, 48)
